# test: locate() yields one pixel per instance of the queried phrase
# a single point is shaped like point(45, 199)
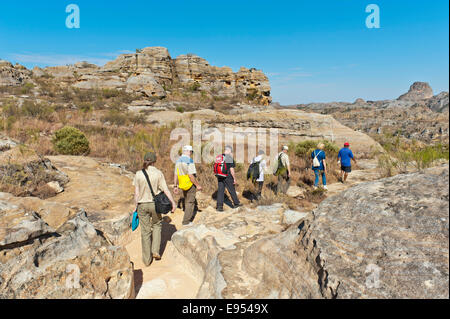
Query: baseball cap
point(150, 157)
point(286, 148)
point(346, 144)
point(188, 148)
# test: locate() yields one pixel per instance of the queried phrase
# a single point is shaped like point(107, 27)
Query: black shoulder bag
point(162, 202)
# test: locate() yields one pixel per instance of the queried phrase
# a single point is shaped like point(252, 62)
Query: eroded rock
point(72, 262)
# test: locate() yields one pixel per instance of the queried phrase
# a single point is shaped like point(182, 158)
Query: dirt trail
point(169, 277)
point(105, 189)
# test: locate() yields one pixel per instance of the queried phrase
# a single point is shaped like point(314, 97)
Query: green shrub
point(426, 156)
point(180, 109)
point(194, 87)
point(386, 165)
point(109, 93)
point(26, 88)
point(85, 107)
point(305, 148)
point(115, 117)
point(70, 141)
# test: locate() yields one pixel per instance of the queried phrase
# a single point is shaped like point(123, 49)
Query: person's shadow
point(167, 231)
point(138, 280)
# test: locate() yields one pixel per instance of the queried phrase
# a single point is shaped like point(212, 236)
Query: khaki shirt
point(156, 179)
point(284, 159)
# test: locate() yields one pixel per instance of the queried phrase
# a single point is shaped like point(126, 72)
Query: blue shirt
point(320, 156)
point(345, 154)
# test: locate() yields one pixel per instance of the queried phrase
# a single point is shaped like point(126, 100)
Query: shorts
point(346, 169)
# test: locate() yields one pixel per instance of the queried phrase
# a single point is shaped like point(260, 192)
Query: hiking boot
point(238, 205)
point(325, 187)
point(157, 256)
point(219, 209)
point(314, 187)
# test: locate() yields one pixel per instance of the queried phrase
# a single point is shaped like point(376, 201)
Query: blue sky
point(311, 50)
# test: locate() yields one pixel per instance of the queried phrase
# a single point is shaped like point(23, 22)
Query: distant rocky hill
point(416, 114)
point(152, 73)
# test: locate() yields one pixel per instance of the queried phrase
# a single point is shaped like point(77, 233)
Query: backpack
point(280, 169)
point(253, 171)
point(220, 167)
point(316, 162)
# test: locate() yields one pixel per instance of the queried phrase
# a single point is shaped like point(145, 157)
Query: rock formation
point(11, 75)
point(292, 125)
point(415, 115)
point(387, 238)
point(439, 103)
point(380, 239)
point(151, 72)
point(418, 91)
point(72, 261)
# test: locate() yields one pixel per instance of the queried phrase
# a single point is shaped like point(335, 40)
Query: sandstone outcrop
point(292, 125)
point(382, 239)
point(387, 238)
point(216, 244)
point(439, 103)
point(418, 91)
point(145, 83)
point(72, 261)
point(152, 73)
point(11, 75)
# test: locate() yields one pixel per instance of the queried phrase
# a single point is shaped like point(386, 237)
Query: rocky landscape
point(153, 75)
point(65, 219)
point(417, 114)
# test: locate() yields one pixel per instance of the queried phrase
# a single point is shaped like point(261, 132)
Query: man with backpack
point(185, 179)
point(149, 219)
point(283, 169)
point(345, 156)
point(224, 170)
point(256, 172)
point(319, 165)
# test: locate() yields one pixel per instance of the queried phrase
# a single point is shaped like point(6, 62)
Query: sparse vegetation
point(403, 155)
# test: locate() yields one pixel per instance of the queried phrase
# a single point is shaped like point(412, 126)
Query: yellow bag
point(184, 182)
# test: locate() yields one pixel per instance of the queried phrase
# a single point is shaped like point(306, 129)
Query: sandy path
point(107, 191)
point(169, 277)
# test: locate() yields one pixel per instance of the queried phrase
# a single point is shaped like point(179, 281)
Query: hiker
point(149, 220)
point(185, 179)
point(256, 172)
point(283, 170)
point(319, 165)
point(344, 158)
point(226, 178)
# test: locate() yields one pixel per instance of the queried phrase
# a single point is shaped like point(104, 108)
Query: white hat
point(286, 148)
point(188, 148)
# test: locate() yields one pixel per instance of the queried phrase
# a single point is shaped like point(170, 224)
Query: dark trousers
point(259, 186)
point(227, 183)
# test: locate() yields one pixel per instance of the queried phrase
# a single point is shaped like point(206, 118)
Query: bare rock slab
point(387, 238)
